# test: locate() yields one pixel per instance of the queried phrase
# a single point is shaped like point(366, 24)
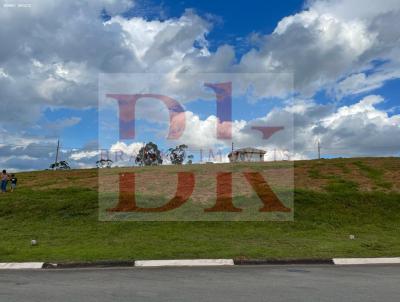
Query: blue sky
point(342, 55)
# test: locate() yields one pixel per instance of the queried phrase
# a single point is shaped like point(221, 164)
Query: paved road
point(244, 283)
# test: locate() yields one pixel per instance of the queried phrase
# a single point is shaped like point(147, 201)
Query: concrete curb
point(196, 262)
point(282, 262)
point(99, 264)
point(21, 265)
point(361, 261)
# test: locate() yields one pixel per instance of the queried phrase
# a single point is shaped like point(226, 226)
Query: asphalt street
point(236, 283)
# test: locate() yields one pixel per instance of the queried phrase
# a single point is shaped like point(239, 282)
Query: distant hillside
point(363, 174)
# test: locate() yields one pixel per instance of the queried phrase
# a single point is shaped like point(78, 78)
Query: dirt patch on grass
point(369, 174)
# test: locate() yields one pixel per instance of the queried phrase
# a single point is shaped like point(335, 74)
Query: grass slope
point(333, 199)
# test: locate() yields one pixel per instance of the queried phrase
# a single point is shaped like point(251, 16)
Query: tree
point(177, 155)
point(149, 155)
point(104, 163)
point(190, 159)
point(61, 165)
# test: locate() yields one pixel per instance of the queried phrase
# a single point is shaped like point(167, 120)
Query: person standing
point(4, 180)
point(13, 182)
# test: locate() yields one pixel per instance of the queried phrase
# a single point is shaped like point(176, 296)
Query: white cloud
point(130, 149)
point(162, 45)
point(365, 108)
point(361, 82)
point(354, 9)
point(358, 129)
point(84, 154)
point(329, 41)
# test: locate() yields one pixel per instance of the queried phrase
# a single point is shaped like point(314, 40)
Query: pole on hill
point(319, 149)
point(58, 149)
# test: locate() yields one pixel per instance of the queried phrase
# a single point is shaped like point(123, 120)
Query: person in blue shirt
point(4, 180)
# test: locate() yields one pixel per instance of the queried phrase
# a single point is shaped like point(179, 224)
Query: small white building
point(246, 155)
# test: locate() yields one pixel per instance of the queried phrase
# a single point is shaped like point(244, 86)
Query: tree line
point(148, 155)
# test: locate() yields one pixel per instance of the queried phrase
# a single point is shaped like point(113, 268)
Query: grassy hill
point(332, 199)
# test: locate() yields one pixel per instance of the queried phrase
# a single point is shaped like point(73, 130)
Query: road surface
point(237, 283)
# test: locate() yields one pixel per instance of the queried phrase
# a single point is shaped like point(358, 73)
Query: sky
point(327, 71)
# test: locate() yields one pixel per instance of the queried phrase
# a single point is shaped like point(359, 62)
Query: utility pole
point(58, 149)
point(275, 154)
point(319, 149)
point(232, 147)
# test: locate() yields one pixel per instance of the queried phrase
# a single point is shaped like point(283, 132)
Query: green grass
point(339, 185)
point(65, 223)
point(376, 175)
point(345, 169)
